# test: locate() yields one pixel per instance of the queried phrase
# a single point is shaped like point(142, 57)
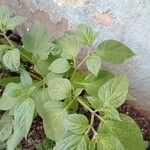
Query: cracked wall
point(124, 20)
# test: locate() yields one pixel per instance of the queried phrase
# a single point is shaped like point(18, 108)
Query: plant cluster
point(57, 89)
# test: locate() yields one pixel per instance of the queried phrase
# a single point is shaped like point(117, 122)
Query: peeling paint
point(106, 19)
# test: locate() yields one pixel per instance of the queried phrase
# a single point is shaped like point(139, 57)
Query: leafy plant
point(57, 89)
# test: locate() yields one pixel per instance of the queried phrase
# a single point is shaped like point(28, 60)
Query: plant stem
point(84, 105)
point(80, 64)
point(3, 34)
point(35, 76)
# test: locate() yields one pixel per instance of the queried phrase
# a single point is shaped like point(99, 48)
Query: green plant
point(57, 89)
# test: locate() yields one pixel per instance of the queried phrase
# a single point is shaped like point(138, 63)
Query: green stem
point(81, 63)
point(35, 76)
point(84, 105)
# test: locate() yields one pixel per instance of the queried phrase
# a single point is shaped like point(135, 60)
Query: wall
point(124, 20)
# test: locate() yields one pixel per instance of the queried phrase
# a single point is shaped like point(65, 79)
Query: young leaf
point(85, 35)
point(76, 123)
point(23, 115)
point(114, 92)
point(15, 21)
point(36, 41)
point(69, 46)
point(75, 142)
point(4, 16)
point(126, 131)
point(60, 65)
point(109, 142)
point(59, 89)
point(93, 64)
point(11, 59)
point(26, 80)
point(111, 113)
point(114, 51)
point(3, 48)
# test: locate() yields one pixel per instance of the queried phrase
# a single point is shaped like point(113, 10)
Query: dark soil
point(36, 134)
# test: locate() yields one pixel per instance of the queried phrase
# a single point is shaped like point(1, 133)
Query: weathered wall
point(124, 20)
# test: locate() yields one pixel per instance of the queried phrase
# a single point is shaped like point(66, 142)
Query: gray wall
point(124, 20)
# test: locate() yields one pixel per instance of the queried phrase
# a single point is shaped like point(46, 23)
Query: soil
point(36, 134)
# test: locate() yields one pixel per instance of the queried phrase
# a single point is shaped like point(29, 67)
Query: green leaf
point(26, 80)
point(85, 35)
point(11, 59)
point(114, 92)
point(76, 123)
point(36, 41)
point(4, 16)
point(95, 102)
point(69, 46)
point(59, 89)
point(93, 64)
point(91, 83)
point(14, 22)
point(126, 131)
point(109, 142)
point(14, 140)
point(3, 48)
point(23, 115)
point(111, 113)
point(114, 51)
point(9, 97)
point(60, 65)
point(55, 114)
point(6, 80)
point(75, 142)
point(6, 127)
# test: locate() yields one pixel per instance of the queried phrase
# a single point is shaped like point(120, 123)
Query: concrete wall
point(124, 20)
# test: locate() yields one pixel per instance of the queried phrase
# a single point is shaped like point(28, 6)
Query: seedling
point(57, 89)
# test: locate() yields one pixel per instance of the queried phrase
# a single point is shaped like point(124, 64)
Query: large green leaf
point(23, 115)
point(93, 64)
point(14, 140)
point(6, 127)
point(111, 113)
point(75, 142)
point(109, 142)
point(91, 83)
point(55, 115)
point(11, 59)
point(59, 89)
point(126, 131)
point(76, 123)
point(10, 96)
point(60, 65)
point(85, 35)
point(114, 92)
point(69, 46)
point(114, 51)
point(37, 41)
